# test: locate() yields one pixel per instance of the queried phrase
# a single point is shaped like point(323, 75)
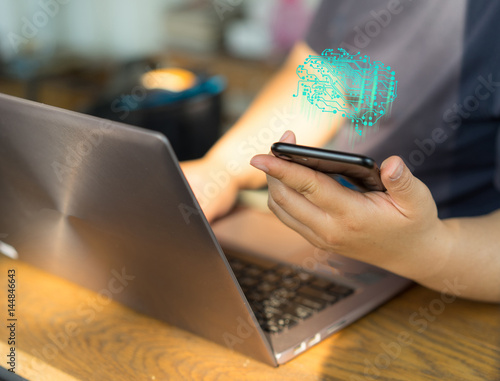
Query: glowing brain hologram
point(350, 85)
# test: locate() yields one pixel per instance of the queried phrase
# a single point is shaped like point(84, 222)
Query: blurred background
point(187, 68)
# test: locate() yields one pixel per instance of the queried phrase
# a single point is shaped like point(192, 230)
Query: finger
point(288, 137)
point(315, 186)
point(293, 223)
point(295, 204)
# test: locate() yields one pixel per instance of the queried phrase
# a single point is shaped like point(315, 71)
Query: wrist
point(440, 248)
point(239, 172)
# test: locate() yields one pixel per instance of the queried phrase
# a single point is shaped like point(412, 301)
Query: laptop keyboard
point(282, 296)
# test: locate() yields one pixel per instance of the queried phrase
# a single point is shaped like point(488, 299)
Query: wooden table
point(65, 332)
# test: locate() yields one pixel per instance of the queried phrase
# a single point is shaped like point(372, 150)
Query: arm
point(398, 230)
point(273, 111)
point(474, 257)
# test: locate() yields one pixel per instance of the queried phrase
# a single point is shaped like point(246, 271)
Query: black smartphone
point(361, 172)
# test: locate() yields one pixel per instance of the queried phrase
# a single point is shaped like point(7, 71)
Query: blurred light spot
point(171, 79)
point(8, 250)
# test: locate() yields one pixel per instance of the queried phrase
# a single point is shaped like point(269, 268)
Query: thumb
point(288, 137)
point(404, 188)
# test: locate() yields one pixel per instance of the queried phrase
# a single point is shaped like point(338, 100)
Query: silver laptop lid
point(106, 206)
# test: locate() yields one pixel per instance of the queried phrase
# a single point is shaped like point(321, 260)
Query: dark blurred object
point(184, 106)
point(29, 64)
point(65, 80)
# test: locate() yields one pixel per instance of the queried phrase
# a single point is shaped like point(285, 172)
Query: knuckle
point(405, 184)
point(350, 225)
point(271, 204)
point(309, 187)
point(342, 232)
point(279, 174)
point(332, 240)
point(330, 243)
point(278, 196)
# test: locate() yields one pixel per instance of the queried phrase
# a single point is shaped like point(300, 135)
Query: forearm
point(274, 111)
point(473, 259)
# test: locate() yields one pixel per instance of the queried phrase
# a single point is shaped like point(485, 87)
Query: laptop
point(106, 205)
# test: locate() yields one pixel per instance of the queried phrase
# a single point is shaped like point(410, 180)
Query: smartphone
point(360, 172)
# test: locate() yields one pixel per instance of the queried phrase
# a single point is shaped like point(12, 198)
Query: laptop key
point(297, 310)
point(317, 294)
point(340, 290)
point(255, 296)
point(289, 320)
point(315, 305)
point(305, 276)
point(266, 287)
point(273, 326)
point(271, 277)
point(284, 293)
point(291, 283)
point(270, 312)
point(284, 271)
point(303, 312)
point(236, 264)
point(274, 302)
point(321, 283)
point(247, 282)
point(253, 271)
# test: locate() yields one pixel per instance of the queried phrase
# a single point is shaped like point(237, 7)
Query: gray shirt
point(445, 121)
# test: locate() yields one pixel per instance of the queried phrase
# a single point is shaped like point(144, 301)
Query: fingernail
point(397, 172)
point(260, 166)
point(285, 135)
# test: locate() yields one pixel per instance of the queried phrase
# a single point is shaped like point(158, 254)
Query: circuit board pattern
point(351, 85)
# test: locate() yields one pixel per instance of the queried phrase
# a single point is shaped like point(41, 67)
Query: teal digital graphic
point(350, 85)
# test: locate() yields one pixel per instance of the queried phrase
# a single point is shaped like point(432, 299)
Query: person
point(440, 147)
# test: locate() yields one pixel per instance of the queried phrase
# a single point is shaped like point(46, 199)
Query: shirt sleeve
point(497, 170)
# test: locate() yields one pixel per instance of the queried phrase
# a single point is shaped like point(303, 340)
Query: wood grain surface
point(66, 332)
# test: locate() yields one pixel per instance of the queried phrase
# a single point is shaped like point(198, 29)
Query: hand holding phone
point(360, 171)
